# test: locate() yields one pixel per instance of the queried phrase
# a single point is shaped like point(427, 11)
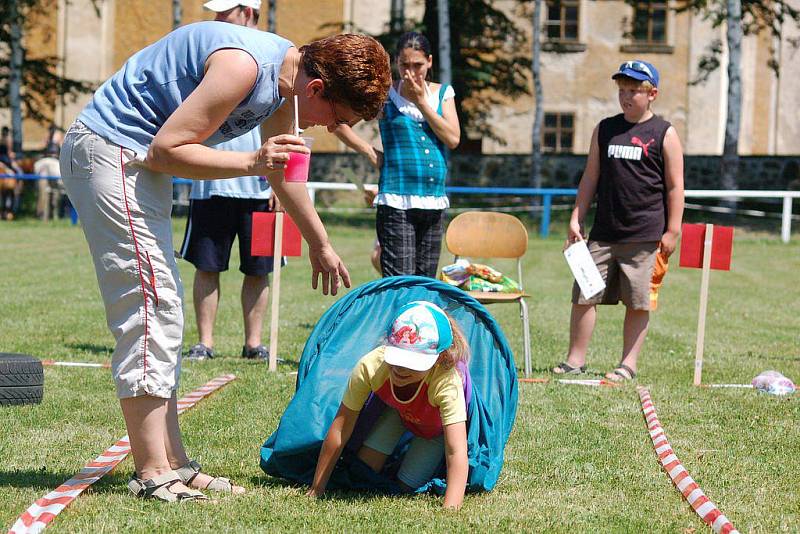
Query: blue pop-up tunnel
point(353, 326)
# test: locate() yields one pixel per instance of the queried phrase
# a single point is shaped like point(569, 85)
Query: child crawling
point(415, 375)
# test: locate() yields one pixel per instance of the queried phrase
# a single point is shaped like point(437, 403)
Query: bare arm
point(455, 453)
point(335, 440)
point(177, 147)
point(673, 177)
point(586, 191)
point(350, 138)
point(295, 200)
point(445, 126)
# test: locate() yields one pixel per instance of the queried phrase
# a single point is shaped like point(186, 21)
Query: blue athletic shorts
point(211, 228)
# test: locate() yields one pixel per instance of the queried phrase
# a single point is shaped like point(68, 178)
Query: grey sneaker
point(200, 352)
point(256, 353)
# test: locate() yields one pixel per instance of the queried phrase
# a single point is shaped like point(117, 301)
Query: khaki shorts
point(627, 269)
point(125, 212)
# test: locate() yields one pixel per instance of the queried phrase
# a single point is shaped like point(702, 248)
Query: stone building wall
point(564, 171)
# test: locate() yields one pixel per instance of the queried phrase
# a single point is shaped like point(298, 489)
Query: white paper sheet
point(584, 270)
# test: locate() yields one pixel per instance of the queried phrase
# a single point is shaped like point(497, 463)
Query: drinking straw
point(296, 118)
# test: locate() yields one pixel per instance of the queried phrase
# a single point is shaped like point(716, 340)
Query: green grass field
point(579, 459)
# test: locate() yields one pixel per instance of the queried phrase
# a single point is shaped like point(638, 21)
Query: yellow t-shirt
point(440, 393)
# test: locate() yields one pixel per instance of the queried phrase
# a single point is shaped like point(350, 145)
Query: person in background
point(48, 203)
point(221, 210)
point(9, 186)
point(419, 126)
point(635, 169)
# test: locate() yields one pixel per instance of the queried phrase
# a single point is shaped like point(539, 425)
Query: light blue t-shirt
point(242, 187)
point(130, 107)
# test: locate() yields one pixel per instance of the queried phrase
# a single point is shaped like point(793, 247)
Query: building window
point(650, 22)
point(562, 20)
point(558, 133)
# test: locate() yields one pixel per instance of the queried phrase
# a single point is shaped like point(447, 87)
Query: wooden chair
point(484, 234)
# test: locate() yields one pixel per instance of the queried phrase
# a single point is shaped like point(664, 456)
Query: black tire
point(21, 395)
point(21, 379)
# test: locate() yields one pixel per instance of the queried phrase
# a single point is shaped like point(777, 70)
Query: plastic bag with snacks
point(774, 383)
point(485, 272)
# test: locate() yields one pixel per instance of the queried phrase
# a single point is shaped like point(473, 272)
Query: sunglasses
point(336, 118)
point(638, 66)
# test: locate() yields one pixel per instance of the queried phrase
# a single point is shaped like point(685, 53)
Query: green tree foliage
point(41, 84)
point(490, 58)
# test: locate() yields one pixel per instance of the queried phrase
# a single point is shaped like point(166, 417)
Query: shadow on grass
point(105, 350)
point(293, 364)
point(267, 481)
point(47, 480)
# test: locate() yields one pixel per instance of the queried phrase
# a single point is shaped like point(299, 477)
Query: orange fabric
point(659, 270)
point(7, 183)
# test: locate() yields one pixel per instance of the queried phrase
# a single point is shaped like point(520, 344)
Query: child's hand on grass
point(314, 493)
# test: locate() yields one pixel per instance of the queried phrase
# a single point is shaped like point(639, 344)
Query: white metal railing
point(786, 215)
point(787, 196)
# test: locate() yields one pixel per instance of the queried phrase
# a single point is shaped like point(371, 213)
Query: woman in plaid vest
point(419, 126)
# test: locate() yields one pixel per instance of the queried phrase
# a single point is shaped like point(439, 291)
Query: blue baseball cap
point(638, 70)
point(419, 332)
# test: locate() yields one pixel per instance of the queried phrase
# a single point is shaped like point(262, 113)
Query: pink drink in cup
point(296, 169)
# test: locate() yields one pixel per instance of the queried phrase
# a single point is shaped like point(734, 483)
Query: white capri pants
point(125, 211)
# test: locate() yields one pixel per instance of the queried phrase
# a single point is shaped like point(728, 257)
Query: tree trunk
point(445, 65)
point(398, 17)
point(538, 117)
point(729, 168)
point(271, 15)
point(15, 77)
point(177, 13)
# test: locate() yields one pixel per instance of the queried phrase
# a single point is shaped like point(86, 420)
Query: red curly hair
point(354, 68)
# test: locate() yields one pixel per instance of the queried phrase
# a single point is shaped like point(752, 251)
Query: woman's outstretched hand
point(325, 262)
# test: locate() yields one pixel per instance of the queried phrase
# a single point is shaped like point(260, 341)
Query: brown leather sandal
point(160, 487)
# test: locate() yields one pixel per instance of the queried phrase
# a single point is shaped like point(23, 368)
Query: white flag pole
point(701, 318)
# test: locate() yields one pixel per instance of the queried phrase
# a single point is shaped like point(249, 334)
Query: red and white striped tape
point(54, 363)
point(704, 508)
point(45, 509)
point(575, 382)
point(595, 383)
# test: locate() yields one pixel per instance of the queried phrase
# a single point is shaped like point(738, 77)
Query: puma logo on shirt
point(630, 152)
point(638, 142)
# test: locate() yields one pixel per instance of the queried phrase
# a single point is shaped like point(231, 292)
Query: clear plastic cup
point(296, 169)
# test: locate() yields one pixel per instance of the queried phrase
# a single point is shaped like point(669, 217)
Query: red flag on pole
point(692, 238)
point(262, 243)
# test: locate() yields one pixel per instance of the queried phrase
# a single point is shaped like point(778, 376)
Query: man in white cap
point(221, 210)
point(241, 12)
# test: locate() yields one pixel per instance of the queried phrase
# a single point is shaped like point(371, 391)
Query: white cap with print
point(220, 6)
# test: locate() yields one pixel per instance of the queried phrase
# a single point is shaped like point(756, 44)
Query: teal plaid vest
point(414, 159)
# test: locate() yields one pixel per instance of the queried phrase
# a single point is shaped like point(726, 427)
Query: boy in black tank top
point(635, 170)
